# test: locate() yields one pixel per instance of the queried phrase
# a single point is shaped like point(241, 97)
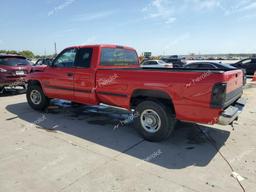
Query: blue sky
point(160, 26)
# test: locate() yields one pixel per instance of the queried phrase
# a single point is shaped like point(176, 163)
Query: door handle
point(70, 74)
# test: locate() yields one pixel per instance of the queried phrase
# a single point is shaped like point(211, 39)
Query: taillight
point(218, 95)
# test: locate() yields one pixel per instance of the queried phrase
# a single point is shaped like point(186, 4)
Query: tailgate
point(234, 89)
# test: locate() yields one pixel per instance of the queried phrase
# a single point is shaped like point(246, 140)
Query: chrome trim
point(231, 113)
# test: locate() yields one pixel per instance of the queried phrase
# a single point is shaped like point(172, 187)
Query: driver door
point(59, 81)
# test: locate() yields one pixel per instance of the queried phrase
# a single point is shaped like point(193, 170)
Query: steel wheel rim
point(35, 97)
point(150, 121)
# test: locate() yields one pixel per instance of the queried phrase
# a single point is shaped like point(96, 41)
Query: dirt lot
point(72, 148)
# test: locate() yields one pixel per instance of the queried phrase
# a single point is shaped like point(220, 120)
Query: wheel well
point(139, 96)
point(34, 82)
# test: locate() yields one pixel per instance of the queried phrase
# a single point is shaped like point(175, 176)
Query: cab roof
point(103, 46)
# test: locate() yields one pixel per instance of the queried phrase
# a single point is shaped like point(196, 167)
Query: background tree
point(27, 54)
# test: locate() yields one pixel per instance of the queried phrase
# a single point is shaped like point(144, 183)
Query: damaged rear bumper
point(232, 112)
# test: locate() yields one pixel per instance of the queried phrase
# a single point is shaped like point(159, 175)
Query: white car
point(156, 64)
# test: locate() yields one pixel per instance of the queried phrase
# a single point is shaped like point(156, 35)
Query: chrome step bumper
point(232, 112)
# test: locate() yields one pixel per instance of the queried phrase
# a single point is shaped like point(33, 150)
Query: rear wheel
point(36, 98)
point(155, 121)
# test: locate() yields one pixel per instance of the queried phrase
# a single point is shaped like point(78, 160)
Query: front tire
point(36, 98)
point(155, 122)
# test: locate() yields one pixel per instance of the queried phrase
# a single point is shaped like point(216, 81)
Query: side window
point(118, 57)
point(207, 66)
point(66, 59)
point(145, 63)
point(192, 66)
point(84, 57)
point(39, 62)
point(152, 63)
point(246, 62)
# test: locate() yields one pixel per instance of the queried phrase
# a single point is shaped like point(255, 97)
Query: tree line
point(25, 53)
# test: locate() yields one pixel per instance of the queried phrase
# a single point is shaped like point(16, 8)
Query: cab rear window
point(118, 57)
point(13, 61)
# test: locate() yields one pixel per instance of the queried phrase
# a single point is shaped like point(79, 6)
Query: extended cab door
point(84, 79)
point(59, 82)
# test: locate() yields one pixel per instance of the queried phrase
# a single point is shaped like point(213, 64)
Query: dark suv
point(248, 64)
point(13, 70)
point(178, 62)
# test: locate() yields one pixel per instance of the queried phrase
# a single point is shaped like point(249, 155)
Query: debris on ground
point(237, 176)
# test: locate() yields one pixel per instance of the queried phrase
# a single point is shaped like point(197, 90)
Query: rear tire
point(36, 98)
point(155, 122)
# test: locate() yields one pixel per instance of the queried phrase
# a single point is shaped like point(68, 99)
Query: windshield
point(161, 62)
point(13, 61)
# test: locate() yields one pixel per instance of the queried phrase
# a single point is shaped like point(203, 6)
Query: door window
point(66, 59)
point(84, 57)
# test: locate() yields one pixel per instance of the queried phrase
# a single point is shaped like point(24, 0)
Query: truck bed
point(189, 89)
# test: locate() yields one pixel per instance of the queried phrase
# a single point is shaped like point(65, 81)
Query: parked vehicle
point(41, 64)
point(177, 61)
point(156, 64)
point(13, 70)
point(248, 64)
point(208, 65)
point(112, 75)
point(213, 65)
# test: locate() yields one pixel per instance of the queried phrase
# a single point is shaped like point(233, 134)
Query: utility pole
point(55, 48)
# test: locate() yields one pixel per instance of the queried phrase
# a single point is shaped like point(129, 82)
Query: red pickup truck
point(111, 74)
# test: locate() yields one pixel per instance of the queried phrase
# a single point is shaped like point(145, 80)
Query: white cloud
point(170, 20)
point(236, 7)
point(168, 11)
point(160, 9)
point(93, 16)
point(60, 7)
point(250, 6)
point(90, 40)
point(204, 4)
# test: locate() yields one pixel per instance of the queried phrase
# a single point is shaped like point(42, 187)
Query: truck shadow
point(190, 144)
point(12, 92)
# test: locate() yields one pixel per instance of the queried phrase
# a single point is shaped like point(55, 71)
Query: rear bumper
point(232, 112)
